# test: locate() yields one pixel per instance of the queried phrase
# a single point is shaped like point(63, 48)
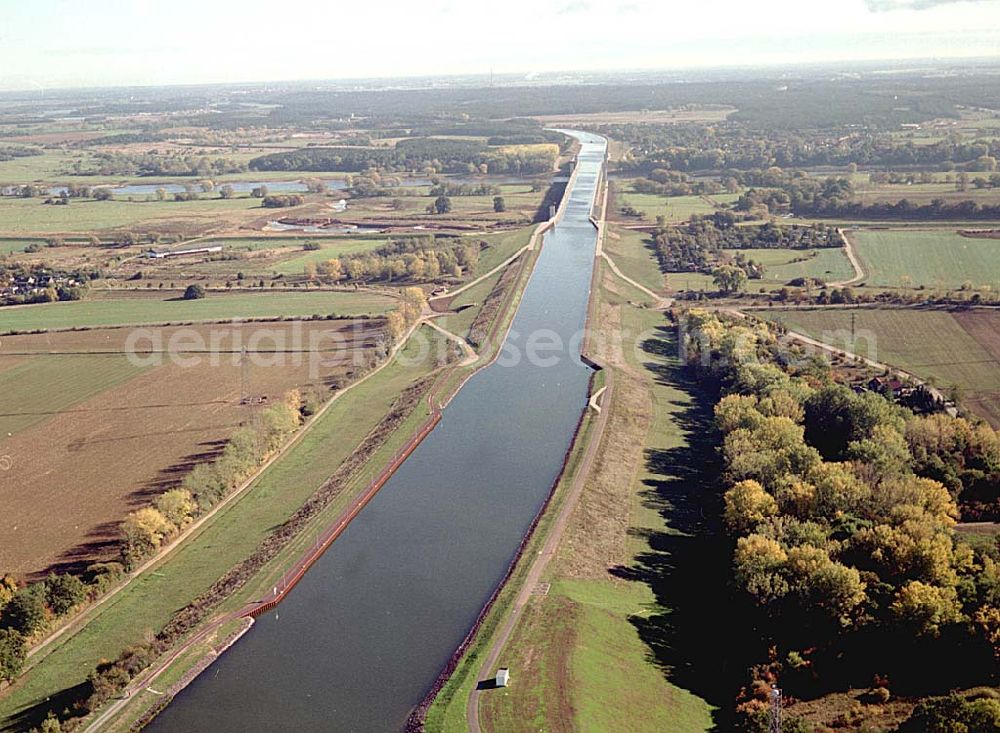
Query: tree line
point(415, 259)
point(429, 155)
point(834, 197)
point(739, 146)
point(157, 164)
point(12, 152)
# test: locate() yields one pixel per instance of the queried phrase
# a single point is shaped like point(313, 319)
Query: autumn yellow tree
point(143, 532)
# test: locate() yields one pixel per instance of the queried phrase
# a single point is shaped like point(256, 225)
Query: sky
point(71, 43)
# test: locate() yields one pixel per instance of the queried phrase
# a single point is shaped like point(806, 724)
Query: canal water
point(362, 638)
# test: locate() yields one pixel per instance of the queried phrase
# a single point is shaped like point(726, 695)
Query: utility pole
point(243, 376)
point(775, 725)
point(854, 317)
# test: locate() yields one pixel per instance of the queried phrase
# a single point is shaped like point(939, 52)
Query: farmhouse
point(884, 386)
point(34, 284)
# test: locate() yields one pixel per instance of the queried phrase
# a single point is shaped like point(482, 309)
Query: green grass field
point(122, 311)
point(330, 249)
point(934, 259)
point(148, 602)
point(782, 265)
point(674, 208)
point(19, 215)
point(924, 193)
point(929, 344)
point(46, 167)
point(36, 388)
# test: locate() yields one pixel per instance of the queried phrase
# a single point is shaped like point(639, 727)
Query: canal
point(364, 635)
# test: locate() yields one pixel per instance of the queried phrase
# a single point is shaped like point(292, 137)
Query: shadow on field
point(696, 639)
point(172, 476)
point(100, 545)
point(32, 716)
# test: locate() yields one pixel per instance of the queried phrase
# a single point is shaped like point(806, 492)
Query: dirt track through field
point(852, 255)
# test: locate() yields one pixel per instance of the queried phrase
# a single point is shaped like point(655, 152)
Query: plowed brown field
point(69, 471)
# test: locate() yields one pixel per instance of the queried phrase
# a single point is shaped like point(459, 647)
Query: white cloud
point(884, 6)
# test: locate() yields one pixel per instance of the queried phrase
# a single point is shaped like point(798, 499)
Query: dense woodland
point(842, 533)
point(743, 147)
point(697, 245)
point(414, 259)
point(416, 154)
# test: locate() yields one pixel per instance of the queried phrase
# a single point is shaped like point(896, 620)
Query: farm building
point(154, 255)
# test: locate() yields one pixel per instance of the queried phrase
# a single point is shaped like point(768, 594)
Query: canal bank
point(473, 663)
point(377, 618)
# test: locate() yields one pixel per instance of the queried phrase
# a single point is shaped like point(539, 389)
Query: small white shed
point(503, 677)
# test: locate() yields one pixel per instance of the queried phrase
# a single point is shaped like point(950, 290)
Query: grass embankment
point(150, 600)
point(600, 650)
point(112, 311)
point(635, 255)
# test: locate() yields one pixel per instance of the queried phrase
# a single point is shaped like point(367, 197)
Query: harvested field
point(150, 424)
point(951, 348)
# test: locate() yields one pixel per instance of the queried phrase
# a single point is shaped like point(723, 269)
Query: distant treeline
point(806, 99)
point(834, 197)
point(123, 138)
point(743, 147)
point(415, 154)
point(816, 101)
point(154, 164)
point(10, 152)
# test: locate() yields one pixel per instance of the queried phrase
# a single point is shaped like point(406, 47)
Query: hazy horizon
point(54, 44)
